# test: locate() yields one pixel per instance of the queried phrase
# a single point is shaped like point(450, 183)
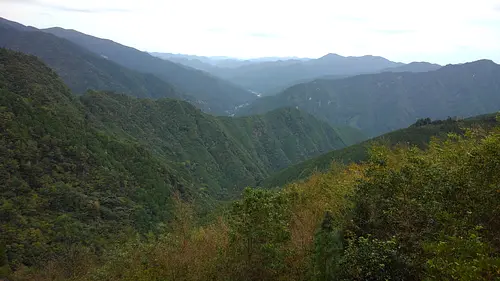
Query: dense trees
point(406, 214)
point(84, 172)
point(109, 187)
point(63, 182)
point(419, 134)
point(221, 154)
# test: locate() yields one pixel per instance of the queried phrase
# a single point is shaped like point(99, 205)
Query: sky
point(439, 31)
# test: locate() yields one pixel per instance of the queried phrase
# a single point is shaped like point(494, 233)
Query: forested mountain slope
point(82, 70)
point(223, 154)
point(405, 214)
point(419, 134)
point(212, 94)
point(81, 170)
point(62, 181)
point(379, 103)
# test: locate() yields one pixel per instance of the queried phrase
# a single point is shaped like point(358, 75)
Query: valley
point(118, 163)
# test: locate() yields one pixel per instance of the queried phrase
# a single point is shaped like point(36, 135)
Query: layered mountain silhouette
point(269, 77)
point(211, 93)
point(103, 145)
point(379, 103)
point(83, 70)
point(414, 67)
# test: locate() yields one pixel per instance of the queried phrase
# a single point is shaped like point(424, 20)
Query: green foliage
point(422, 122)
point(406, 214)
point(220, 154)
point(4, 263)
point(85, 171)
point(258, 232)
point(414, 135)
point(328, 249)
point(366, 258)
point(430, 201)
point(462, 258)
point(63, 182)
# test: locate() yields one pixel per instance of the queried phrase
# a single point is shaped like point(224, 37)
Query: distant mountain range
point(100, 143)
point(83, 70)
point(212, 64)
point(222, 84)
point(270, 76)
point(210, 93)
point(379, 103)
point(214, 94)
point(414, 67)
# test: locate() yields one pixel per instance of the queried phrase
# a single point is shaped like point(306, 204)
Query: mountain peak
point(331, 56)
point(483, 62)
point(479, 65)
point(477, 62)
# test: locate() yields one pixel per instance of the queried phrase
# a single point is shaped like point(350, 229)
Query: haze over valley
point(194, 140)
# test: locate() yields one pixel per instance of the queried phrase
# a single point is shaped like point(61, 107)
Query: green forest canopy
point(84, 170)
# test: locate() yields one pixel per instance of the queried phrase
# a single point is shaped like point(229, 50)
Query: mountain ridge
point(414, 67)
point(418, 134)
point(365, 101)
point(212, 93)
point(268, 77)
point(87, 169)
point(82, 70)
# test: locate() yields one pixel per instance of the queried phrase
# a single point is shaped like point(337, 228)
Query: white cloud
point(442, 31)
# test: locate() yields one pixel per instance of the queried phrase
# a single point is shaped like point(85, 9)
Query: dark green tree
point(259, 230)
point(328, 248)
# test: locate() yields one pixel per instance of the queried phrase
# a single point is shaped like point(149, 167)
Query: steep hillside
point(63, 182)
point(406, 214)
point(212, 94)
point(82, 70)
point(380, 103)
point(82, 170)
point(222, 154)
point(417, 135)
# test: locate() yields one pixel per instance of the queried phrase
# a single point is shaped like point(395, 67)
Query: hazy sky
point(442, 31)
